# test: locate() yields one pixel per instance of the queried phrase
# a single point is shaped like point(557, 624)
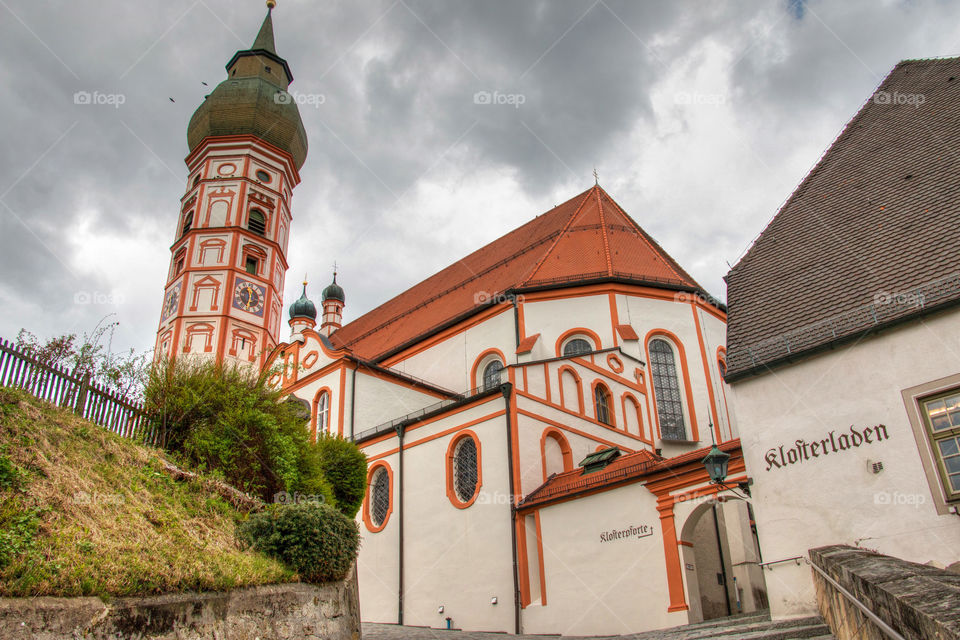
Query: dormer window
point(257, 222)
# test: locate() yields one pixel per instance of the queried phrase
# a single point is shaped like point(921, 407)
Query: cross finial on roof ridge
point(596, 176)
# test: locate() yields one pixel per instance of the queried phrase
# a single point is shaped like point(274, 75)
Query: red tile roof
point(627, 332)
point(526, 345)
point(627, 468)
point(864, 241)
point(587, 238)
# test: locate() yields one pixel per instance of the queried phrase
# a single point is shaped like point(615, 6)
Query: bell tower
point(223, 292)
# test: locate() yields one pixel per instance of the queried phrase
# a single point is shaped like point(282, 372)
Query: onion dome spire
point(253, 100)
point(334, 291)
point(303, 307)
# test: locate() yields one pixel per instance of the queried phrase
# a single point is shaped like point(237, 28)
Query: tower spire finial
point(271, 4)
point(596, 176)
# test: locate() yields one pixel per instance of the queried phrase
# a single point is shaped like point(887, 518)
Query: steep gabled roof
point(866, 240)
point(587, 238)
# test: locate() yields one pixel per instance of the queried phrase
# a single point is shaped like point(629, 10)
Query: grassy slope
point(85, 512)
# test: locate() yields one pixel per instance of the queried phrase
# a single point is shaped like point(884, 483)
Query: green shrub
point(344, 466)
point(229, 422)
point(315, 540)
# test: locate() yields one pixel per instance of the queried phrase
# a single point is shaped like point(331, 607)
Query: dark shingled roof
point(866, 239)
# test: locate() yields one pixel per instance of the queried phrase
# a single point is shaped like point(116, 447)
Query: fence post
point(82, 394)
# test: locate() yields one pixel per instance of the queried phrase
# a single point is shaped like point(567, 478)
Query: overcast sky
point(700, 118)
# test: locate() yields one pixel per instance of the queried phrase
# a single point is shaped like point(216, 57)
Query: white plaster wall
point(836, 498)
point(448, 363)
point(378, 560)
point(553, 318)
point(595, 587)
point(378, 401)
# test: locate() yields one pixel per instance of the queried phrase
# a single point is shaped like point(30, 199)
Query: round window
point(263, 176)
point(379, 496)
point(465, 474)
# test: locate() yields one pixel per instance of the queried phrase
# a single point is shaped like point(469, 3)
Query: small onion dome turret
point(303, 308)
point(334, 291)
point(253, 100)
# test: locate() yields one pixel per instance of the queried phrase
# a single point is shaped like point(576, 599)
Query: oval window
point(263, 176)
point(465, 469)
point(379, 497)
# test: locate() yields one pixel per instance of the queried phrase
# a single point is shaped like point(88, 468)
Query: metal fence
point(74, 391)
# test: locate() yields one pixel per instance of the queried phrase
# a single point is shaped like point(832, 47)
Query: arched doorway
point(721, 556)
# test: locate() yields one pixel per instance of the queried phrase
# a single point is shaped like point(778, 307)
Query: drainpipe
point(400, 433)
point(516, 322)
point(507, 389)
point(723, 566)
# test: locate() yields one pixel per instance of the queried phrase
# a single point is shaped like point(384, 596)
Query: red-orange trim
point(580, 416)
point(681, 353)
point(314, 427)
point(611, 409)
point(671, 555)
point(614, 317)
point(582, 434)
point(627, 396)
point(480, 358)
point(439, 337)
point(439, 434)
point(367, 521)
point(597, 344)
point(707, 374)
point(451, 448)
point(526, 345)
point(722, 357)
point(615, 363)
point(561, 440)
point(627, 332)
point(577, 379)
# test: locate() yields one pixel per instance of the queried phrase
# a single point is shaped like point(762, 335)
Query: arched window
point(379, 497)
point(257, 222)
point(666, 389)
point(187, 223)
point(576, 347)
point(323, 412)
point(463, 470)
point(492, 373)
point(601, 403)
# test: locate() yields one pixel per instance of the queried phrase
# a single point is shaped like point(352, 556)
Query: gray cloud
point(406, 173)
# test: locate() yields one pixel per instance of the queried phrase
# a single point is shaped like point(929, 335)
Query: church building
point(535, 415)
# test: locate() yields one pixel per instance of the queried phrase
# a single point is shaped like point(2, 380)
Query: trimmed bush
point(344, 466)
point(314, 539)
point(229, 422)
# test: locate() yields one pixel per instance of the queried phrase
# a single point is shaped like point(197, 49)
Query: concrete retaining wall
point(330, 611)
point(918, 601)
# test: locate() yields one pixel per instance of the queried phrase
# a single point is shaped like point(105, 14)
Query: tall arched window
point(257, 222)
point(666, 389)
point(576, 347)
point(492, 374)
point(323, 412)
point(601, 404)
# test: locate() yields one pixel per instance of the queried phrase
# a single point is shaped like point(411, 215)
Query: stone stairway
point(756, 626)
point(743, 627)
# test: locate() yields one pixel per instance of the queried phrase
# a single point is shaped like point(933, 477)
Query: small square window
point(252, 265)
point(942, 418)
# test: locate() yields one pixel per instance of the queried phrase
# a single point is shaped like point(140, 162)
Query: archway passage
point(721, 557)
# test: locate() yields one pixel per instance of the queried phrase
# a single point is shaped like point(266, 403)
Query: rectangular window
point(252, 264)
point(941, 416)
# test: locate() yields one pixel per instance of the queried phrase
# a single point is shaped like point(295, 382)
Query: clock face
point(248, 297)
point(171, 301)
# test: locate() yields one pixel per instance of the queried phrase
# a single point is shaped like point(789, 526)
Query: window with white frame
point(941, 416)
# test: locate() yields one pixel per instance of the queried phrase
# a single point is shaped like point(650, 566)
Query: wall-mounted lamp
point(716, 463)
point(493, 600)
point(440, 609)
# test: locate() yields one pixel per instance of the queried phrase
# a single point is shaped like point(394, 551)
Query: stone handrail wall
point(296, 611)
point(917, 601)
